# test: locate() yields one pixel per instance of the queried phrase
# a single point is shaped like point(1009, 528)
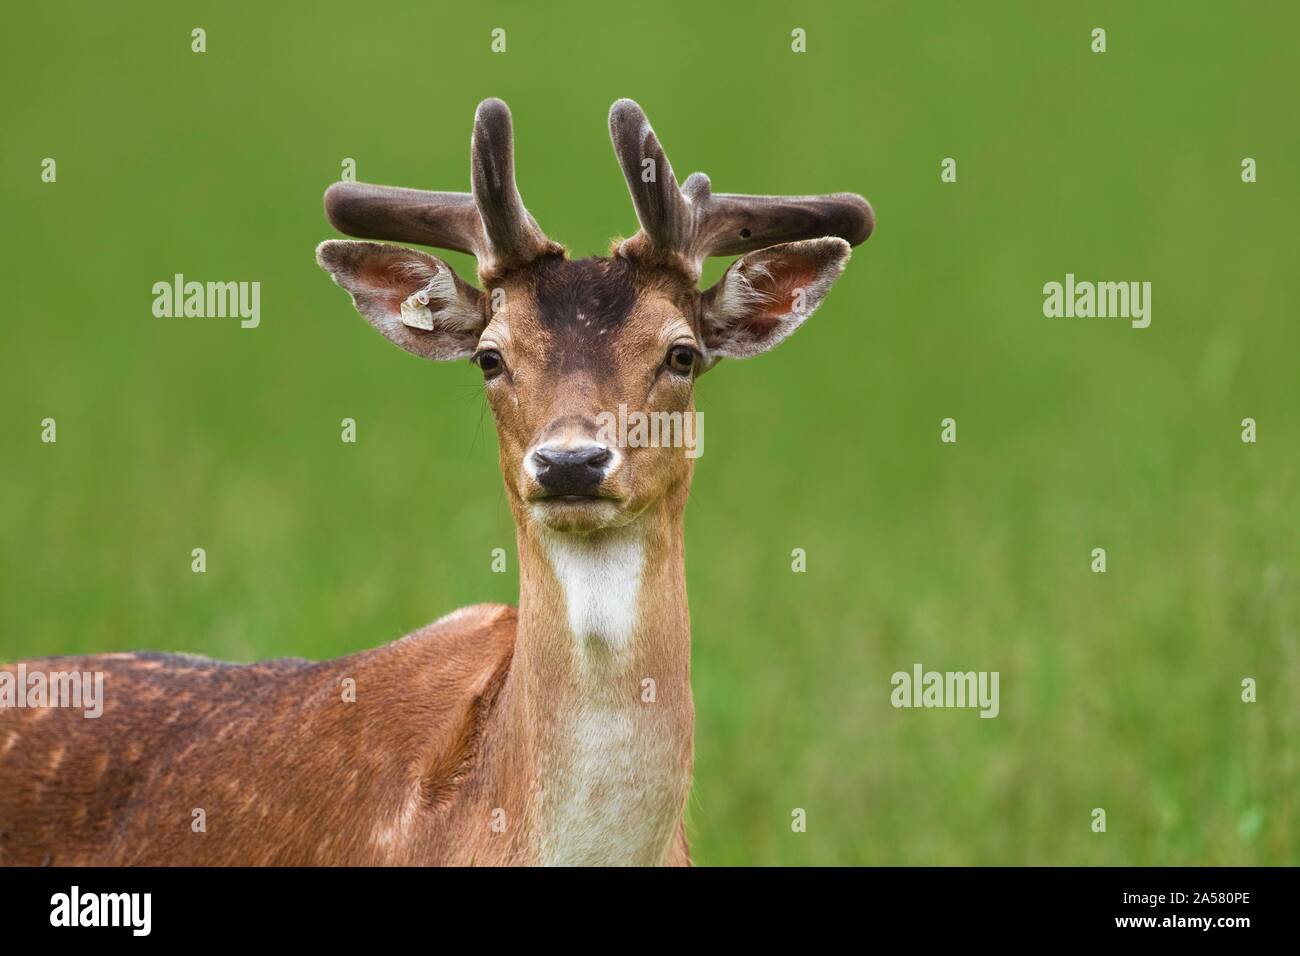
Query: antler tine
point(442, 220)
point(686, 225)
point(661, 209)
point(732, 224)
point(490, 223)
point(513, 236)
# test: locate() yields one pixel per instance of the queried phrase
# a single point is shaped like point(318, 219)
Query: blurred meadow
point(1118, 690)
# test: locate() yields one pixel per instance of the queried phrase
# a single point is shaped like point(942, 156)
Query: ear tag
point(415, 311)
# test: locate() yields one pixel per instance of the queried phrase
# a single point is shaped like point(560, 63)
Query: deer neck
point(599, 691)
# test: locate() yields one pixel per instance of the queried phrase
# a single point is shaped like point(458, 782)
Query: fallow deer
point(493, 735)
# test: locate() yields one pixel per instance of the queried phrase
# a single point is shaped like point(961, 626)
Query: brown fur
point(286, 772)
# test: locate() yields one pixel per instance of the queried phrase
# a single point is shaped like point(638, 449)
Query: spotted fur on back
point(278, 762)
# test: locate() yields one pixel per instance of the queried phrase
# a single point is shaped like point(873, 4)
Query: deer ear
point(766, 295)
point(417, 301)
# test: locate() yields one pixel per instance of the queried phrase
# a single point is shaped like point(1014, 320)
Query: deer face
point(572, 352)
point(573, 346)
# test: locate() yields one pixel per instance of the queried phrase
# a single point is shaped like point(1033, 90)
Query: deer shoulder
point(196, 761)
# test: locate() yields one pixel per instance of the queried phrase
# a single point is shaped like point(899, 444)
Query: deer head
point(562, 343)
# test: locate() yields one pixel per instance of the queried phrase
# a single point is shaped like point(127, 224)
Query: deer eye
point(489, 360)
point(681, 359)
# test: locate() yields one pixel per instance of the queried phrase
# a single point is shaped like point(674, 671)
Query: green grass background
point(1119, 691)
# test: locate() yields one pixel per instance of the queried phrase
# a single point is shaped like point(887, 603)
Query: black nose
point(571, 471)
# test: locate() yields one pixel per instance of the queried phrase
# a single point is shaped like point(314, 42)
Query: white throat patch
point(614, 800)
point(601, 580)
